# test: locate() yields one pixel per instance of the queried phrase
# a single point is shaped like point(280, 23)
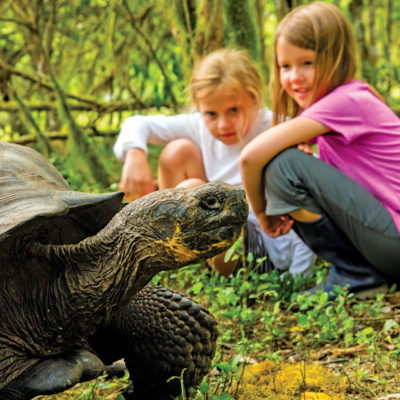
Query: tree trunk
point(373, 51)
point(209, 29)
point(387, 47)
point(356, 10)
point(242, 27)
point(78, 144)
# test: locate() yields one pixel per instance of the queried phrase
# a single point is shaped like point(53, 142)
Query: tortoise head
point(184, 226)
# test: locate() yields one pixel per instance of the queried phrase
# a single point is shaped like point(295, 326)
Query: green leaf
point(197, 288)
point(204, 387)
point(389, 324)
point(228, 254)
point(303, 320)
point(223, 396)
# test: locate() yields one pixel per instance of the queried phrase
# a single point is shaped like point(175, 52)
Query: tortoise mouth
point(226, 222)
point(232, 229)
point(219, 237)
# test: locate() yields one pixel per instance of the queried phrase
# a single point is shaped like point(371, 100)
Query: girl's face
point(297, 71)
point(229, 117)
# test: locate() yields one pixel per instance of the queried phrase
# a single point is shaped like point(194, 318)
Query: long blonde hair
point(321, 27)
point(231, 68)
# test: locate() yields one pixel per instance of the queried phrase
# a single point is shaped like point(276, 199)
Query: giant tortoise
point(74, 280)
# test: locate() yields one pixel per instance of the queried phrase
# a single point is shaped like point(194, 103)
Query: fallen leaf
point(315, 396)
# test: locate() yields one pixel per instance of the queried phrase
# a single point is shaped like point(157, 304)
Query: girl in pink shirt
point(346, 203)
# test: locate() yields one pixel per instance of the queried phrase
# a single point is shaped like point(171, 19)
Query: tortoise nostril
point(210, 203)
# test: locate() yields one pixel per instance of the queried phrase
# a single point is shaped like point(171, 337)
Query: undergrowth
point(276, 343)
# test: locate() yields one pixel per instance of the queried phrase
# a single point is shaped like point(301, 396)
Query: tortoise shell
point(34, 194)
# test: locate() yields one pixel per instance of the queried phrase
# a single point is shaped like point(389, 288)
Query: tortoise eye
point(210, 203)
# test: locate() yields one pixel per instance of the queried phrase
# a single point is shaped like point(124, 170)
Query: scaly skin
point(160, 333)
point(67, 273)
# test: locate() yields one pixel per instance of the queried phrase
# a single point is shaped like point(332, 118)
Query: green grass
point(263, 318)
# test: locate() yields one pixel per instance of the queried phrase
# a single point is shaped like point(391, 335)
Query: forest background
point(72, 71)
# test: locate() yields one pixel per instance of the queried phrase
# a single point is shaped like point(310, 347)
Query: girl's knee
point(179, 161)
point(177, 153)
point(279, 167)
point(191, 183)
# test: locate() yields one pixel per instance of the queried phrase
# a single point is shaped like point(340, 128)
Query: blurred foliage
point(111, 58)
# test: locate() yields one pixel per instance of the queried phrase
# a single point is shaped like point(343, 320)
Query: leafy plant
point(264, 321)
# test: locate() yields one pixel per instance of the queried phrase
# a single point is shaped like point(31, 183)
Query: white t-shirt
point(221, 163)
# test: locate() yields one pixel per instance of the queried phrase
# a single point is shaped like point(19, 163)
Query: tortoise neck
point(101, 271)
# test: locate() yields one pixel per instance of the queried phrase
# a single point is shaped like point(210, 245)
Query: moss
point(280, 381)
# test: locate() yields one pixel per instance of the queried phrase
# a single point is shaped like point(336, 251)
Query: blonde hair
point(231, 68)
point(321, 27)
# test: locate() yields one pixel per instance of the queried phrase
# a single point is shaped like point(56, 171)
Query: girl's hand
point(275, 225)
point(261, 150)
point(136, 178)
point(306, 148)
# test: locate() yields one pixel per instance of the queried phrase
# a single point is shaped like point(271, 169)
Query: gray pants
point(295, 180)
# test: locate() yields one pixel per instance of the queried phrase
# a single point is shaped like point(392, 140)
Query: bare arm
point(136, 178)
point(131, 147)
point(263, 148)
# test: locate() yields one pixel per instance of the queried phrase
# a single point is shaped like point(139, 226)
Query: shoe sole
point(369, 294)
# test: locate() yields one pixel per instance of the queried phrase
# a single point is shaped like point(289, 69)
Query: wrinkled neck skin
point(101, 273)
point(61, 294)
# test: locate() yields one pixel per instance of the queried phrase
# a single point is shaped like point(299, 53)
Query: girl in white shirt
point(204, 146)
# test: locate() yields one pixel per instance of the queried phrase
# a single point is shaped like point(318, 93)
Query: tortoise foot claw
point(54, 375)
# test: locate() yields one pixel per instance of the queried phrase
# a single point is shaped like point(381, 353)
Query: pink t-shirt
point(364, 142)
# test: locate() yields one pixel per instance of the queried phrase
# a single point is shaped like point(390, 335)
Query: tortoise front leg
point(160, 333)
point(54, 375)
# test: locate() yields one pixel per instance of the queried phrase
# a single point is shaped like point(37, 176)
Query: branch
point(148, 44)
point(103, 107)
point(91, 131)
point(45, 85)
point(25, 110)
point(77, 139)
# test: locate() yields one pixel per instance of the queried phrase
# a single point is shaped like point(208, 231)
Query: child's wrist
point(260, 214)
